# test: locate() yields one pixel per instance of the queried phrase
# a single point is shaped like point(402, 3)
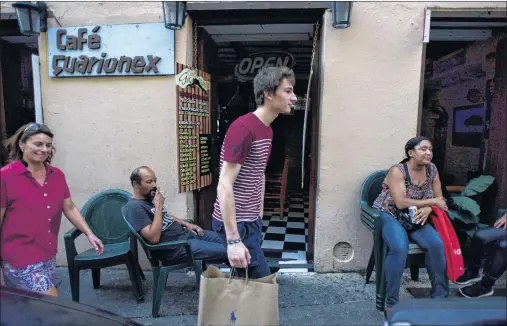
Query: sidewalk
point(304, 298)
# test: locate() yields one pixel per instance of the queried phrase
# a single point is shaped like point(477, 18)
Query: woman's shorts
point(38, 277)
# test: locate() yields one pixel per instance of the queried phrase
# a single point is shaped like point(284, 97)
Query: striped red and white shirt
point(247, 142)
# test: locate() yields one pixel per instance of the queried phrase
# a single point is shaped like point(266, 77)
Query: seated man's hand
point(239, 256)
point(501, 222)
point(195, 228)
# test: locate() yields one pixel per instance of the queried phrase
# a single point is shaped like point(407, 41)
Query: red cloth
point(452, 249)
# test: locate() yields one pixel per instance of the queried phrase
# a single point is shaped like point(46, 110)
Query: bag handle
point(234, 269)
point(407, 175)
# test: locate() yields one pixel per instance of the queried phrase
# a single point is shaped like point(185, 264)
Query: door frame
point(201, 196)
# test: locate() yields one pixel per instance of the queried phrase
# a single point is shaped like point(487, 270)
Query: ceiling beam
point(256, 16)
point(252, 5)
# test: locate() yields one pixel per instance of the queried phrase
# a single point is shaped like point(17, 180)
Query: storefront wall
point(370, 108)
point(104, 127)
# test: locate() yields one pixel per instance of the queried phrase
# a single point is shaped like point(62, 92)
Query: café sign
point(248, 67)
point(111, 50)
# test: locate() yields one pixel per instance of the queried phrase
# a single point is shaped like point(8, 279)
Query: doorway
point(233, 54)
point(461, 111)
point(19, 81)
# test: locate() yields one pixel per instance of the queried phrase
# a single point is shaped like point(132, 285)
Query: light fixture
point(341, 13)
point(174, 14)
point(32, 17)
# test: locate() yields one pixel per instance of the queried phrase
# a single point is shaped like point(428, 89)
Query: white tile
point(300, 255)
point(296, 206)
point(265, 223)
point(296, 225)
point(272, 244)
point(293, 270)
point(293, 262)
point(296, 214)
point(295, 238)
point(276, 229)
point(306, 231)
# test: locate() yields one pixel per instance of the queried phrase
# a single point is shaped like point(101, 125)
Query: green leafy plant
point(465, 209)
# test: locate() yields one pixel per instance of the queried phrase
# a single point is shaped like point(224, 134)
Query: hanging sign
point(111, 50)
point(248, 67)
point(194, 128)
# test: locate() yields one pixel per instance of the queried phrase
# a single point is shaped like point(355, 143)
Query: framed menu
point(194, 127)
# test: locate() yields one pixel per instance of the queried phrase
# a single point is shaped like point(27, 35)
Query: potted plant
point(464, 211)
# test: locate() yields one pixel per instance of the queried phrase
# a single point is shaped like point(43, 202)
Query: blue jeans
point(396, 240)
point(251, 234)
point(210, 246)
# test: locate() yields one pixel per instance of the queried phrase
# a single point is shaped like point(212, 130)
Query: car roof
point(21, 307)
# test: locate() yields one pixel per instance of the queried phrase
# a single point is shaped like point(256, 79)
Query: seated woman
point(493, 242)
point(412, 182)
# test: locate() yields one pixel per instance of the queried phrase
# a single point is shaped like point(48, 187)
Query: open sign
point(248, 67)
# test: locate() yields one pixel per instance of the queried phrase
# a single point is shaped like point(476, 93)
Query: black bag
point(402, 215)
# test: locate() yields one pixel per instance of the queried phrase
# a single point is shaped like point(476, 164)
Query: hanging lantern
point(341, 13)
point(32, 17)
point(174, 14)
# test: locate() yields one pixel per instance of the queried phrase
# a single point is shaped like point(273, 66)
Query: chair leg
point(156, 276)
point(96, 277)
point(198, 264)
point(140, 271)
point(371, 265)
point(71, 277)
point(135, 277)
point(75, 284)
point(380, 254)
point(158, 291)
point(414, 272)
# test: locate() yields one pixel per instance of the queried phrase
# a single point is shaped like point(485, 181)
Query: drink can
point(411, 211)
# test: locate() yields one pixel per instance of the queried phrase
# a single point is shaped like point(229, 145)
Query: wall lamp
point(341, 13)
point(174, 14)
point(32, 17)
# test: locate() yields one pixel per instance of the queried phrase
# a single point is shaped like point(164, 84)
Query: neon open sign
point(248, 67)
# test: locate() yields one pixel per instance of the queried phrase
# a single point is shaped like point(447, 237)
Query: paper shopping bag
point(235, 301)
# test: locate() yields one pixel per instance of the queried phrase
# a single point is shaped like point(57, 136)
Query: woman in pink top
point(33, 196)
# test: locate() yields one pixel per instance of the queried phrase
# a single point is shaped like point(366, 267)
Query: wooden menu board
point(194, 128)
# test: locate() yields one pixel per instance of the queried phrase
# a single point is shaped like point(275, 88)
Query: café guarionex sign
point(248, 67)
point(111, 50)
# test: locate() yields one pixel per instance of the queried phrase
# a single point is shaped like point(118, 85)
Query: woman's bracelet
point(233, 242)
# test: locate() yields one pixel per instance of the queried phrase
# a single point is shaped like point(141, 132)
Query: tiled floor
point(285, 238)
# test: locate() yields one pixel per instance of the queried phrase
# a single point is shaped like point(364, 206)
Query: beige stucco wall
point(105, 127)
point(370, 107)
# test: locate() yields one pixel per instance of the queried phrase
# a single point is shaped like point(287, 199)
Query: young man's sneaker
point(476, 290)
point(468, 278)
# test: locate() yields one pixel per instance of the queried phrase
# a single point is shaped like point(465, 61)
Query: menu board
point(194, 127)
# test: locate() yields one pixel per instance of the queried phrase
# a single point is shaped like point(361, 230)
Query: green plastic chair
point(370, 189)
point(161, 269)
point(102, 212)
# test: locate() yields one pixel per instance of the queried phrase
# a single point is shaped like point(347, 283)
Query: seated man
point(491, 241)
point(147, 214)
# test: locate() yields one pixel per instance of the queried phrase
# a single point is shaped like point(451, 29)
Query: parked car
point(22, 308)
point(490, 311)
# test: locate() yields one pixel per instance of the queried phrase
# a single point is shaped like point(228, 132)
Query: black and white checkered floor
point(285, 239)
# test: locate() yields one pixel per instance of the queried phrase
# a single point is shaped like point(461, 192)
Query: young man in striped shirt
point(239, 205)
